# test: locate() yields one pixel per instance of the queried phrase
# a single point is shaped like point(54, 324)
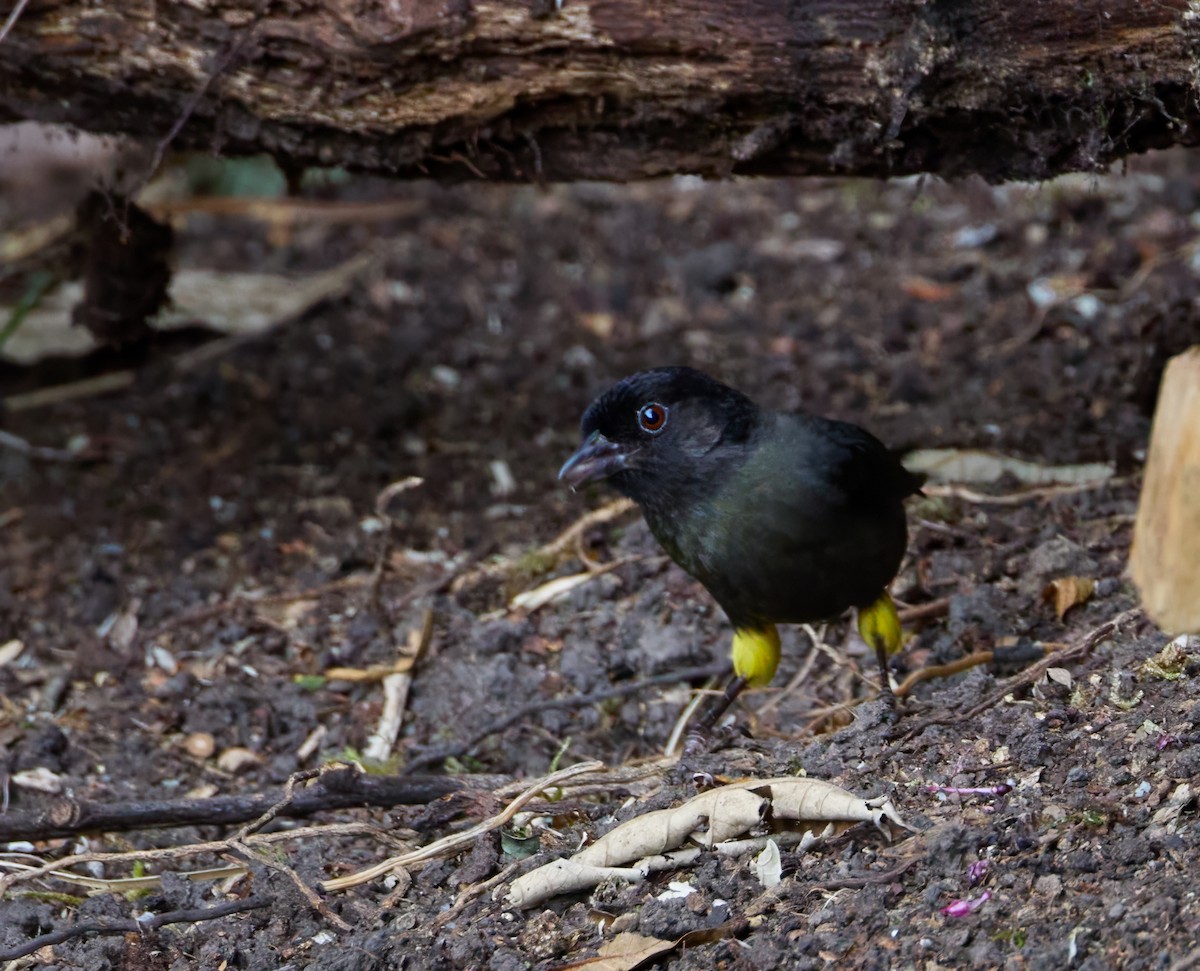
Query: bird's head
point(655, 430)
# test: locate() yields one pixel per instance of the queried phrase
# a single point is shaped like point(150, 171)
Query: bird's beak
point(597, 458)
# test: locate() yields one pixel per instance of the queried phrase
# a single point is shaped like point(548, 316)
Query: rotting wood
point(1165, 558)
point(544, 90)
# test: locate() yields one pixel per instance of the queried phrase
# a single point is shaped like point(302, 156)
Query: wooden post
point(1166, 539)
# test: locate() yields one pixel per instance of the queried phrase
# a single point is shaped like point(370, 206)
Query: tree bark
point(547, 90)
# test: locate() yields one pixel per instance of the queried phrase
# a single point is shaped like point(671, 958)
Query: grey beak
point(597, 458)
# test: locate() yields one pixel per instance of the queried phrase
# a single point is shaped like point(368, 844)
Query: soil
point(212, 559)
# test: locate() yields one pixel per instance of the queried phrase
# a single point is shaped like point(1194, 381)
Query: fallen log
point(546, 90)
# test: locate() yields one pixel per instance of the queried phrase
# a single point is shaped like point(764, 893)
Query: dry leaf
point(376, 672)
point(677, 890)
point(1060, 676)
point(40, 779)
point(548, 591)
point(669, 838)
point(768, 865)
point(1068, 592)
point(601, 324)
point(1179, 800)
point(978, 467)
point(711, 817)
point(924, 289)
point(235, 760)
point(233, 303)
point(10, 651)
point(628, 950)
point(560, 586)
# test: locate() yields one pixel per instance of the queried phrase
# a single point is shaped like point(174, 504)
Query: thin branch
point(148, 922)
point(1027, 677)
point(459, 749)
point(455, 841)
point(54, 867)
point(1034, 672)
point(17, 444)
point(189, 108)
point(382, 502)
point(942, 671)
point(337, 788)
point(12, 22)
point(926, 611)
point(247, 852)
point(866, 880)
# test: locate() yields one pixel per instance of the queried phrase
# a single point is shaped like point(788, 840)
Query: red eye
point(652, 418)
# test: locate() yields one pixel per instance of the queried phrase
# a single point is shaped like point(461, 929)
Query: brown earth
point(1030, 321)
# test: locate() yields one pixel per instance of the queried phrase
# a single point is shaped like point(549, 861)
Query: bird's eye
point(652, 418)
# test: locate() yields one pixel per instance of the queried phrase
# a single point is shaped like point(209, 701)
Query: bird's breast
point(795, 564)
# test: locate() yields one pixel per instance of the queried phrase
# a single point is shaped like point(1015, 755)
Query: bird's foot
point(893, 707)
point(704, 739)
point(698, 742)
point(698, 760)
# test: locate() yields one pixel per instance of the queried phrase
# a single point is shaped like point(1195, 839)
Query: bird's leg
point(735, 687)
point(698, 738)
point(755, 655)
point(879, 625)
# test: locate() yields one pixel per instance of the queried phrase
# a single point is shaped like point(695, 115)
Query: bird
point(784, 517)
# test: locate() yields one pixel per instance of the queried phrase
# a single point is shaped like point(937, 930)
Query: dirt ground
point(200, 573)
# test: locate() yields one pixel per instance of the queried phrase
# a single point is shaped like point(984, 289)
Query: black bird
point(785, 518)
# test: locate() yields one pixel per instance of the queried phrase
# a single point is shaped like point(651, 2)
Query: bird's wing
point(860, 464)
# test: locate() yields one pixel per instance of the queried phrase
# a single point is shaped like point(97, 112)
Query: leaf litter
point(237, 485)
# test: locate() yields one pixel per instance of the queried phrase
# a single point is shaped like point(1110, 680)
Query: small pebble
point(1078, 776)
point(200, 745)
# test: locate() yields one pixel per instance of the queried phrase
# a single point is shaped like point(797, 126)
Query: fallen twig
point(54, 869)
point(382, 502)
point(459, 749)
point(1034, 672)
point(136, 925)
point(13, 17)
point(597, 517)
point(395, 694)
point(473, 892)
point(254, 855)
point(942, 671)
point(923, 612)
point(455, 841)
point(1027, 677)
point(289, 795)
point(15, 443)
point(339, 788)
point(801, 674)
point(71, 391)
point(564, 542)
point(867, 880)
